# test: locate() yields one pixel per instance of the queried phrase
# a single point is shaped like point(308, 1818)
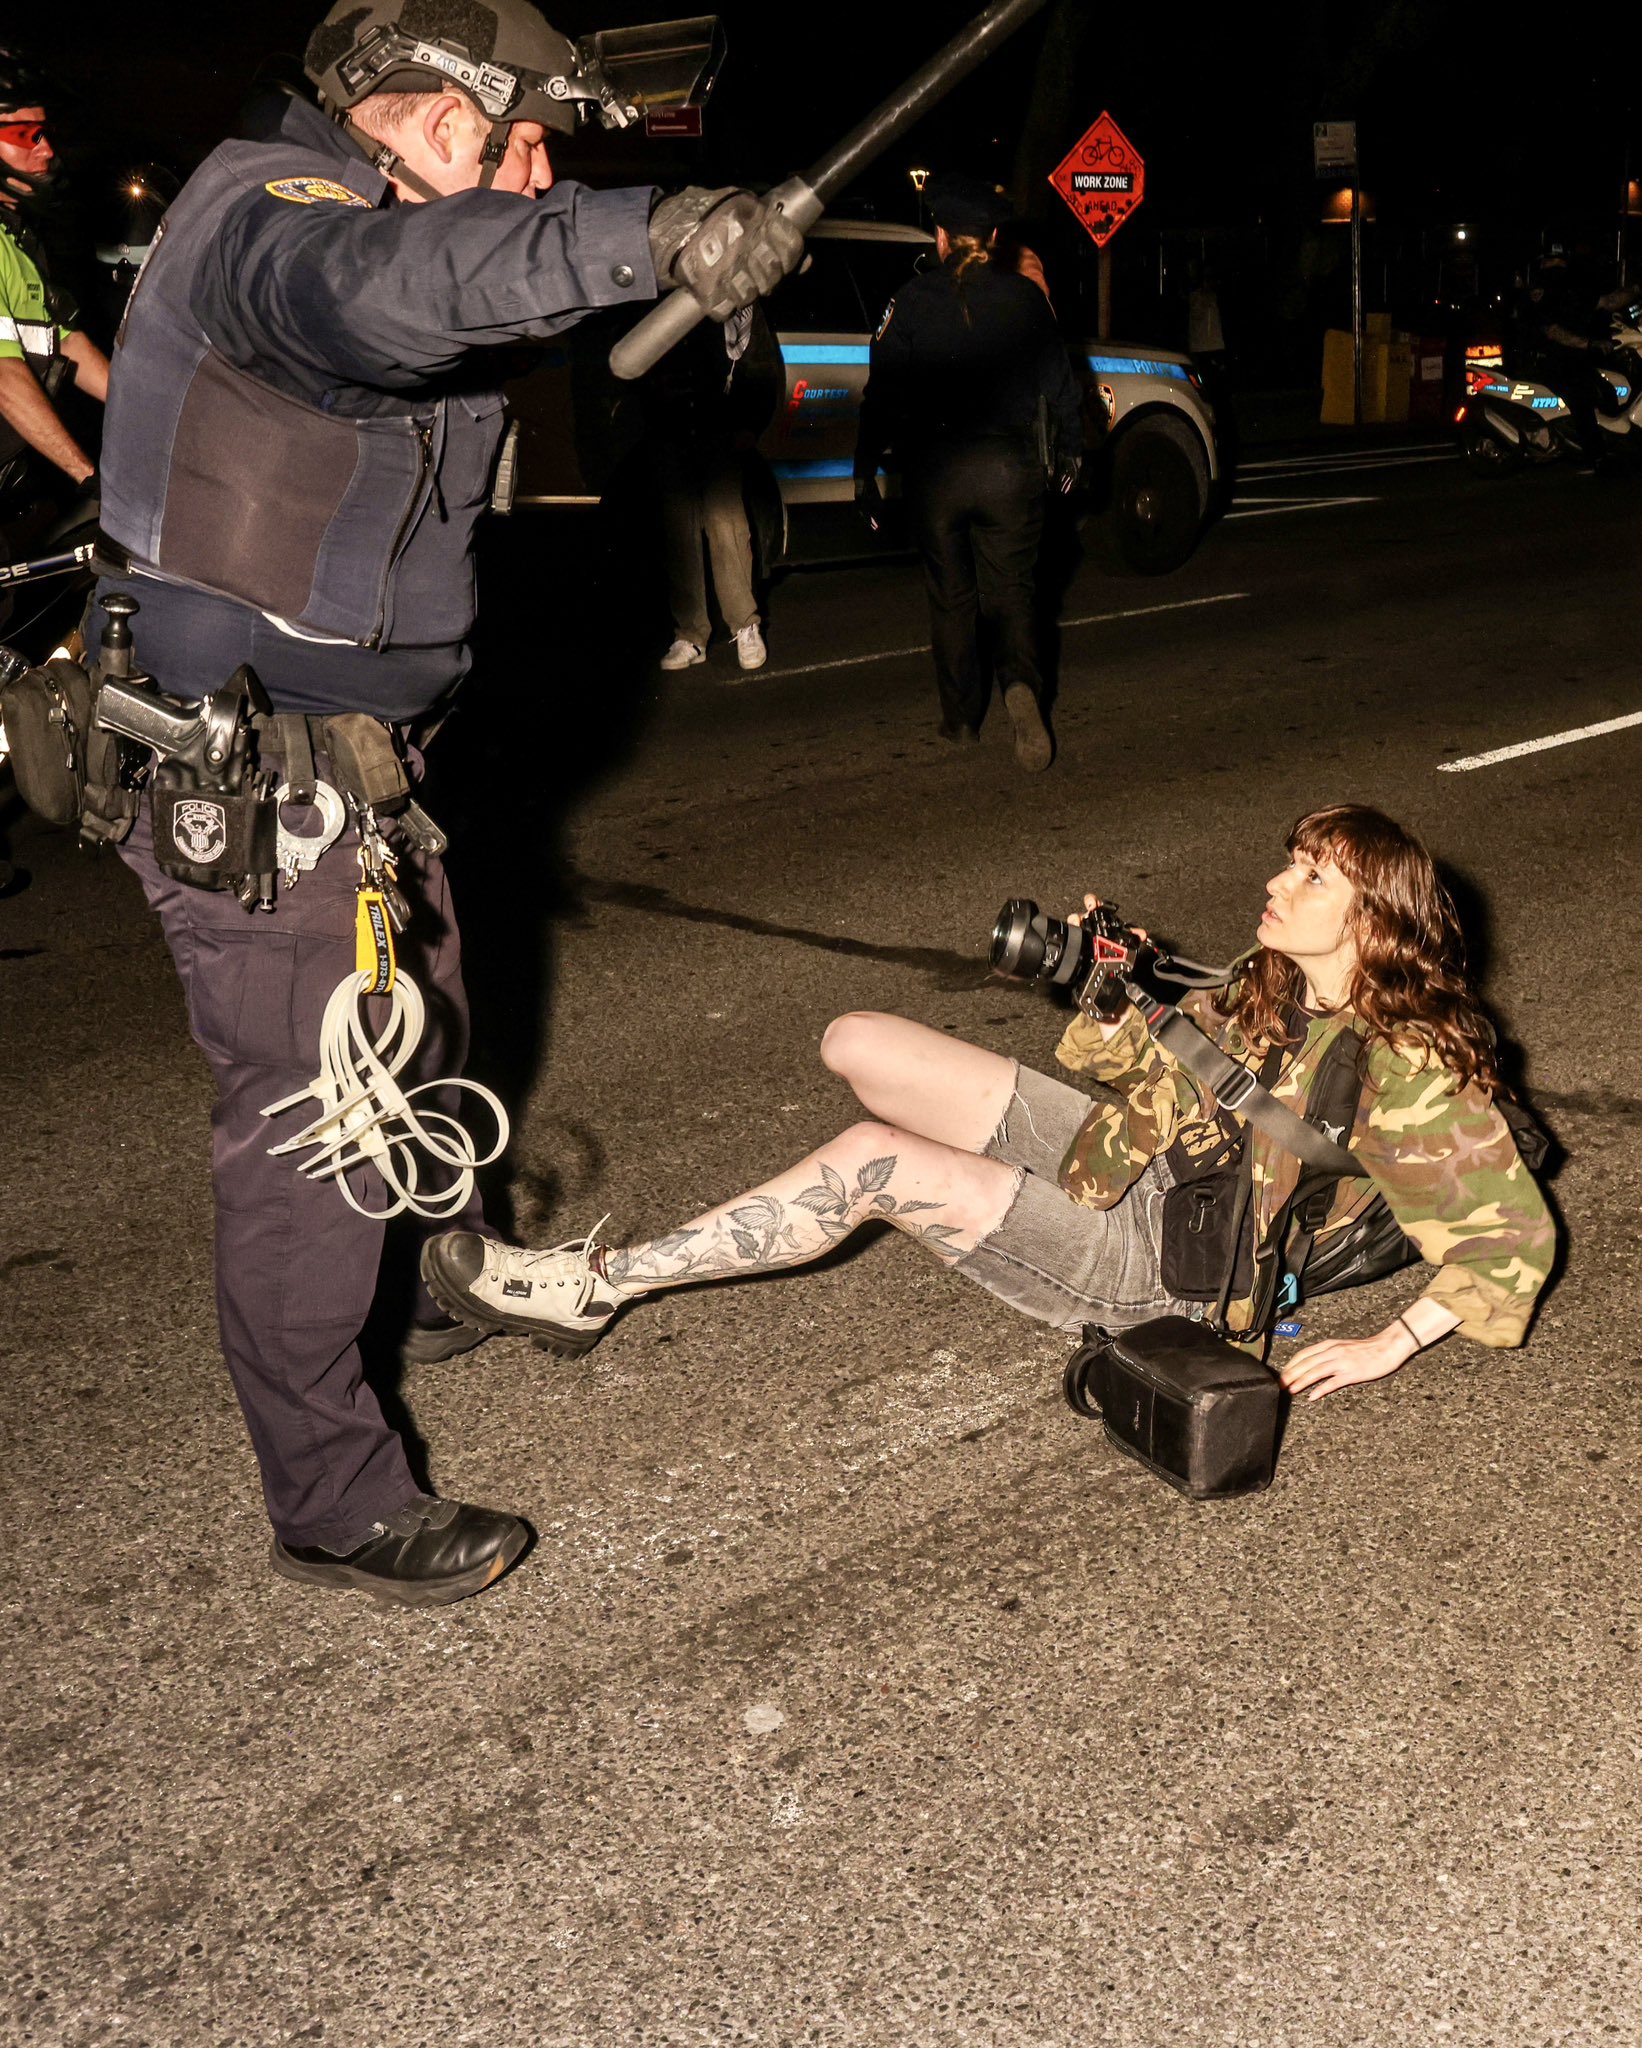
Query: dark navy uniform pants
point(977, 513)
point(296, 1268)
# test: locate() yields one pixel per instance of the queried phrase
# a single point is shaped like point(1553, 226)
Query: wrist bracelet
point(1409, 1327)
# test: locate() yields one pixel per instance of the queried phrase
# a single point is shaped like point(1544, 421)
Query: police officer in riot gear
point(41, 346)
point(299, 445)
point(971, 387)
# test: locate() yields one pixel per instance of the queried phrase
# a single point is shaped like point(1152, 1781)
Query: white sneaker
point(750, 650)
point(683, 654)
point(555, 1296)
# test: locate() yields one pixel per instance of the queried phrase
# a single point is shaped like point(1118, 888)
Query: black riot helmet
point(21, 85)
point(510, 62)
point(500, 53)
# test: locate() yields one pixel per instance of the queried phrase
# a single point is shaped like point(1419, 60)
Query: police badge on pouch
point(216, 841)
point(200, 829)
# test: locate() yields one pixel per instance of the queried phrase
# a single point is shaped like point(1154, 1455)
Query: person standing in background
point(971, 387)
point(706, 403)
point(41, 346)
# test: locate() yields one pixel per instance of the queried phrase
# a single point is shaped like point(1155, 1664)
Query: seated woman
point(1054, 1202)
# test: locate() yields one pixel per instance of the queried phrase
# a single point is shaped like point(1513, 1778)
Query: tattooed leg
point(945, 1200)
point(918, 1079)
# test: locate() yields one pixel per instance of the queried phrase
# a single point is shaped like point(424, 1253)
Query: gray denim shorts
point(1052, 1258)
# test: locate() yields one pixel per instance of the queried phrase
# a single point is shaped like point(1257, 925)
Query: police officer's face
point(447, 147)
point(525, 167)
point(34, 154)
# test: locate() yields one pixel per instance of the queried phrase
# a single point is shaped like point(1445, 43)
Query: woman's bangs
point(1312, 840)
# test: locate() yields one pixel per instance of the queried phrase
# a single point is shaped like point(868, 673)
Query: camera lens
point(1029, 945)
point(1017, 949)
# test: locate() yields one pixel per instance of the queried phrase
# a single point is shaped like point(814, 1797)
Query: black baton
point(804, 199)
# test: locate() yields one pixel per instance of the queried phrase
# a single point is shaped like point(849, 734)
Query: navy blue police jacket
point(956, 360)
point(303, 413)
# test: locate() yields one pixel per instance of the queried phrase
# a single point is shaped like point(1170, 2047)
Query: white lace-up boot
point(557, 1296)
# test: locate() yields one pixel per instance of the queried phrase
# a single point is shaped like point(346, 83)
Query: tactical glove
point(726, 248)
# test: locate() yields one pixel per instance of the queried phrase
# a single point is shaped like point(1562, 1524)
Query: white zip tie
point(367, 1118)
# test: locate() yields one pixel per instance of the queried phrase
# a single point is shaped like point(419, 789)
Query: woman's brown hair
point(1410, 983)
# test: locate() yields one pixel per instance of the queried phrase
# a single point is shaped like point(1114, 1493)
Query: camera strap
point(1239, 1088)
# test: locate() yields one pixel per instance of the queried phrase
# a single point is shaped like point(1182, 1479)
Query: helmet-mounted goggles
point(615, 75)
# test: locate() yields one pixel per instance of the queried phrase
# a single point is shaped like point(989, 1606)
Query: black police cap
point(966, 205)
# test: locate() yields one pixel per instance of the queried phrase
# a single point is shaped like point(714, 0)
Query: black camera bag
point(1173, 1392)
point(1192, 1408)
point(66, 766)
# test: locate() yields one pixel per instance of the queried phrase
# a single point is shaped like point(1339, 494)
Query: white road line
point(1257, 508)
point(814, 668)
point(1336, 455)
point(1311, 472)
point(1555, 739)
point(1145, 611)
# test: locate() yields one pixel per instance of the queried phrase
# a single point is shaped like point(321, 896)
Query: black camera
point(1030, 945)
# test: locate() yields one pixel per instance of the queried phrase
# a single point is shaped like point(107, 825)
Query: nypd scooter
point(1619, 372)
point(1504, 422)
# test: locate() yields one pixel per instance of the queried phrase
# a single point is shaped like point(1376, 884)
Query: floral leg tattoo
point(771, 1228)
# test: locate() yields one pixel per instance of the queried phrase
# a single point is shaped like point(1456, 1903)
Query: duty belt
point(215, 795)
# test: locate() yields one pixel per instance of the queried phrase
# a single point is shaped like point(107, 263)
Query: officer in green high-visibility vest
point(41, 346)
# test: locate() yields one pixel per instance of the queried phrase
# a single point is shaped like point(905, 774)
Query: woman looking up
point(1057, 1204)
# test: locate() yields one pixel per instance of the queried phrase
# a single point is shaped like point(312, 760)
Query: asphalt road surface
point(854, 1691)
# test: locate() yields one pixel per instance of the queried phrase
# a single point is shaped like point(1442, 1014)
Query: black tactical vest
point(356, 529)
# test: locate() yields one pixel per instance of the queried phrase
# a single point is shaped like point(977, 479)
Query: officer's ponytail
point(966, 253)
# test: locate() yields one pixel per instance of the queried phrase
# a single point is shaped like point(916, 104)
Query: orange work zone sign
point(1103, 179)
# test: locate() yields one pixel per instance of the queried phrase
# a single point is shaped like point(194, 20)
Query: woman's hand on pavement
point(1346, 1362)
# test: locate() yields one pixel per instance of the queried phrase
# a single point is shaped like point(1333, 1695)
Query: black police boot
point(1034, 749)
point(433, 1343)
point(430, 1553)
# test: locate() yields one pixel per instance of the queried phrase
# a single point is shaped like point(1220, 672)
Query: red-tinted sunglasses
point(23, 134)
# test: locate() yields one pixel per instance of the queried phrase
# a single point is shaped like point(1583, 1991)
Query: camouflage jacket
point(1443, 1157)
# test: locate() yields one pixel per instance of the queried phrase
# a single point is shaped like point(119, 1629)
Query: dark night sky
point(1220, 99)
point(1454, 124)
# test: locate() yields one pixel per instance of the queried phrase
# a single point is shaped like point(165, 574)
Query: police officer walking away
point(300, 440)
point(41, 345)
point(970, 385)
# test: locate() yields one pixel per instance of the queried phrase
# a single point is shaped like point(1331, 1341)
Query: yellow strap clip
point(373, 942)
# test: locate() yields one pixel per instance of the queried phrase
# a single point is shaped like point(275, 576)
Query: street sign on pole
point(1334, 148)
point(673, 121)
point(1103, 179)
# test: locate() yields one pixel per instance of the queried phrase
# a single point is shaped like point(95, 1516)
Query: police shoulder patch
point(889, 315)
point(309, 191)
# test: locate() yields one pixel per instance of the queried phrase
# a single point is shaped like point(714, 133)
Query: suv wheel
point(1159, 495)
